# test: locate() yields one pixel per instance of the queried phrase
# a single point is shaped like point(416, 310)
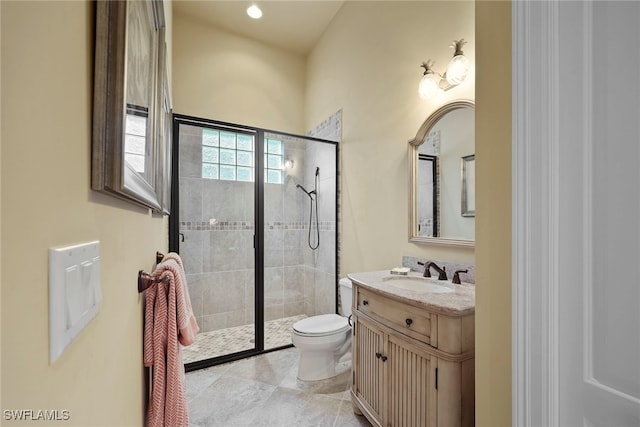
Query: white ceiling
point(291, 25)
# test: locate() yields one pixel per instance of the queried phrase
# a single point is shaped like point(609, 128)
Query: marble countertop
point(460, 302)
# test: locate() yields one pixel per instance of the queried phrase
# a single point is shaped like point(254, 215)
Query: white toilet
point(324, 341)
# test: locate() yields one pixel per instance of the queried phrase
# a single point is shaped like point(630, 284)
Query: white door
point(577, 337)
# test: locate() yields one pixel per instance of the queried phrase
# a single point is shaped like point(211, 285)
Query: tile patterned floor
point(231, 340)
point(264, 391)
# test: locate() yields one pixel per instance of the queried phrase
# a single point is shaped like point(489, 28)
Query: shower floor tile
point(211, 344)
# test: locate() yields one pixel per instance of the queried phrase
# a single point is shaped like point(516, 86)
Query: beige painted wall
point(46, 103)
point(368, 64)
point(493, 222)
point(221, 76)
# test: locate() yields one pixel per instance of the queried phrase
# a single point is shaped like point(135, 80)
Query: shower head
point(308, 193)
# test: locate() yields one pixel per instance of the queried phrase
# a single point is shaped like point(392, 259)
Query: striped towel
point(169, 322)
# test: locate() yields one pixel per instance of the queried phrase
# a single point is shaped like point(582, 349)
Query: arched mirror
point(442, 176)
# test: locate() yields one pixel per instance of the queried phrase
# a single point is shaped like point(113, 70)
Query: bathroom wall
point(367, 63)
point(230, 78)
point(493, 226)
point(46, 106)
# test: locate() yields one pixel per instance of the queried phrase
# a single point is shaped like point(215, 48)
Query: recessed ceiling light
point(254, 12)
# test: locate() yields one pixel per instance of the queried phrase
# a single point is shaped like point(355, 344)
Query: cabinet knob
point(384, 358)
point(365, 302)
point(408, 322)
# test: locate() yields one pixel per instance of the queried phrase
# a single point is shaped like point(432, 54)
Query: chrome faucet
point(442, 272)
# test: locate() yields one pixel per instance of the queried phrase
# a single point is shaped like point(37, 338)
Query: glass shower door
point(299, 233)
point(216, 228)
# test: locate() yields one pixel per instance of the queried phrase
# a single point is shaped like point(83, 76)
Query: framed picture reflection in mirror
point(469, 186)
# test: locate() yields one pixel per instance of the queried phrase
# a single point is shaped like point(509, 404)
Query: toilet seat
point(321, 325)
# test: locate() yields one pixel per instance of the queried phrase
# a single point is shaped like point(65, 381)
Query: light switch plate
point(74, 293)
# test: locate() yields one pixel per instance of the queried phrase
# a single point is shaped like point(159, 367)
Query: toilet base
point(318, 365)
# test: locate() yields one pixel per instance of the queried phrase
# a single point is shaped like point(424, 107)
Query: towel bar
point(145, 280)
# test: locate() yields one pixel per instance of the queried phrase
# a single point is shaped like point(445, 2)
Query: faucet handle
point(456, 276)
point(427, 273)
point(443, 274)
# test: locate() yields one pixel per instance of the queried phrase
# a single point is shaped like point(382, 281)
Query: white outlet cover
point(74, 293)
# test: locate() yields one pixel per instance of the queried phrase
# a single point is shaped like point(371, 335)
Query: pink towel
point(169, 322)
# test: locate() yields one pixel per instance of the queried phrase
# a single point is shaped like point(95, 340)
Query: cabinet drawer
point(411, 321)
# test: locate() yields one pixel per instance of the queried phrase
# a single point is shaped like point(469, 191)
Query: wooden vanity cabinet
point(411, 367)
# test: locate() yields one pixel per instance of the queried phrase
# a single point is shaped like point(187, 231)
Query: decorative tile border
point(249, 225)
point(220, 225)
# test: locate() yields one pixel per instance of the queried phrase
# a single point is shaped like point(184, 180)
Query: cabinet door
point(412, 389)
point(368, 366)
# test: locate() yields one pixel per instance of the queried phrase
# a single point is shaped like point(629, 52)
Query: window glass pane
point(227, 157)
point(274, 176)
point(134, 144)
point(245, 158)
point(136, 161)
point(228, 173)
point(136, 125)
point(245, 174)
point(210, 137)
point(245, 142)
point(230, 156)
point(210, 154)
point(274, 146)
point(227, 140)
point(209, 171)
point(274, 162)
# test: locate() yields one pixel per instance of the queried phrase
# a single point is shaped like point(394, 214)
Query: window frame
point(218, 163)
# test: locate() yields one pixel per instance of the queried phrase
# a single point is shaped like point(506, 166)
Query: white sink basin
point(419, 284)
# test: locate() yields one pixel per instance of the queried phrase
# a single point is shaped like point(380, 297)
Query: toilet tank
point(346, 296)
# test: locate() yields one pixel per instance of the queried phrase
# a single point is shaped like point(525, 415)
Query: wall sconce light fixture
point(433, 82)
point(288, 164)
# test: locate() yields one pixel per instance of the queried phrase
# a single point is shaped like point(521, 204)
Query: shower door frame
point(258, 236)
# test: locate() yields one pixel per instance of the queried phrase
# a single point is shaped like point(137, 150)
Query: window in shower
point(273, 161)
point(229, 156)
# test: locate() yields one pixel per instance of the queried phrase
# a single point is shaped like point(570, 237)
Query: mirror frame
point(414, 143)
point(110, 173)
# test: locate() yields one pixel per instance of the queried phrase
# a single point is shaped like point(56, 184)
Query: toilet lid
point(323, 324)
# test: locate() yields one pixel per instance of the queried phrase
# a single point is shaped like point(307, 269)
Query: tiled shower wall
point(320, 265)
point(217, 221)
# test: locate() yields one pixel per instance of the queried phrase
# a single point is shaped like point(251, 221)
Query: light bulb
point(457, 69)
point(428, 87)
point(254, 12)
